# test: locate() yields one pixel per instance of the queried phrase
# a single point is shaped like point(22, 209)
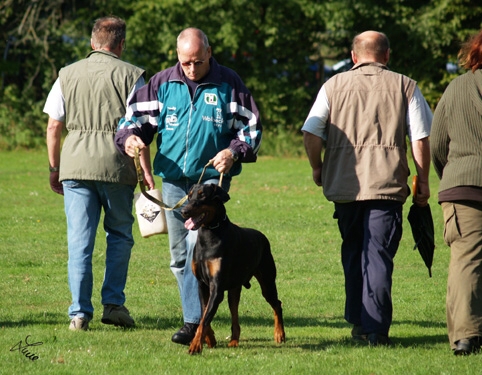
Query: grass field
point(276, 196)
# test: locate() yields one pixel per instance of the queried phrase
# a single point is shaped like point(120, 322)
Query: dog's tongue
point(189, 224)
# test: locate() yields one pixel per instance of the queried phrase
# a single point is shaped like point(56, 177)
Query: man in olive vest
point(89, 98)
point(364, 116)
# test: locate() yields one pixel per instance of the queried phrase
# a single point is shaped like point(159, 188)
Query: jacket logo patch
point(171, 118)
point(211, 99)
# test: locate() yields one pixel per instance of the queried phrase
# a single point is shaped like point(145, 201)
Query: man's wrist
point(53, 169)
point(235, 154)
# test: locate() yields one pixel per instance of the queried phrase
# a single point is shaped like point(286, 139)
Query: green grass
point(276, 196)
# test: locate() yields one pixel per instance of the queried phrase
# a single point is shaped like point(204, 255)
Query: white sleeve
point(316, 121)
point(419, 117)
point(55, 103)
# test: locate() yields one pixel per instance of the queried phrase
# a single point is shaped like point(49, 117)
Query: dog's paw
point(279, 336)
point(210, 341)
point(196, 347)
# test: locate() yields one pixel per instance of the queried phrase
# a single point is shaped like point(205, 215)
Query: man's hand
point(423, 194)
point(55, 184)
point(149, 181)
point(317, 176)
point(132, 142)
point(223, 161)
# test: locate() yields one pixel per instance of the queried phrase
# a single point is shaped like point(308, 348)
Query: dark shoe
point(118, 316)
point(357, 333)
point(467, 346)
point(376, 339)
point(185, 335)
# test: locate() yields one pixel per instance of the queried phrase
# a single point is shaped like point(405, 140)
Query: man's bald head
point(371, 46)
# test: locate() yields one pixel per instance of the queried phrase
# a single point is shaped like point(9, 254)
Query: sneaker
point(79, 324)
point(118, 316)
point(185, 335)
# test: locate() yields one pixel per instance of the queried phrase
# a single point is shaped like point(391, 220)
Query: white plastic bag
point(151, 217)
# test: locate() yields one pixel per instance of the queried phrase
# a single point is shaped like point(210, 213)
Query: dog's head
point(205, 206)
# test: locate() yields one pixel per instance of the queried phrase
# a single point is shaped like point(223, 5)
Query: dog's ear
point(221, 194)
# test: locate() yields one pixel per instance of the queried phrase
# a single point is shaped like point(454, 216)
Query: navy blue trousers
point(371, 232)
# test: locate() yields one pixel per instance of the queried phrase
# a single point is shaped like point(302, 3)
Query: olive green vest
point(95, 91)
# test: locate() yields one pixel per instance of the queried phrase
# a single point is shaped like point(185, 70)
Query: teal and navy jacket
point(192, 130)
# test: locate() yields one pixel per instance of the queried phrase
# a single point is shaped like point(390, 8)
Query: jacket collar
point(375, 64)
point(103, 52)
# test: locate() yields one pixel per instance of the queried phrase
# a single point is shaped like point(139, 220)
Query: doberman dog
point(226, 257)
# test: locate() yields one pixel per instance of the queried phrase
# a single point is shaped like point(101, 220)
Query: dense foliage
point(279, 47)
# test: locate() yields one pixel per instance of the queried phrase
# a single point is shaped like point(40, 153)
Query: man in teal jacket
point(201, 112)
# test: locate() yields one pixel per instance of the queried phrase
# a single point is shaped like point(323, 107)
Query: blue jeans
point(181, 243)
point(84, 201)
point(371, 232)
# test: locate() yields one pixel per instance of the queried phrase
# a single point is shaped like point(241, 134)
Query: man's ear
point(353, 57)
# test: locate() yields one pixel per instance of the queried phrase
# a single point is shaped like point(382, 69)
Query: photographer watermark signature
point(23, 348)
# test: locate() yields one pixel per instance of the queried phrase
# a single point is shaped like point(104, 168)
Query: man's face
point(194, 59)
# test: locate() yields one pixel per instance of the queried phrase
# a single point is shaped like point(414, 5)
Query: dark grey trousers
point(371, 232)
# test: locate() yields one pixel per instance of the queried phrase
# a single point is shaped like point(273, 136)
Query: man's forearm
point(54, 135)
point(313, 146)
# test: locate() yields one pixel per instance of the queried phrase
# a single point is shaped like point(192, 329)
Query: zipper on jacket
point(191, 110)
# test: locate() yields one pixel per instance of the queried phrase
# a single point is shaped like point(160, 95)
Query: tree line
point(281, 48)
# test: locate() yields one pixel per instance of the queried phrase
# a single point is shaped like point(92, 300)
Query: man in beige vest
point(89, 98)
point(364, 116)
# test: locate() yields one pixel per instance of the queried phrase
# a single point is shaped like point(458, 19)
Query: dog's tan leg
point(196, 346)
point(279, 331)
point(270, 293)
point(209, 338)
point(234, 295)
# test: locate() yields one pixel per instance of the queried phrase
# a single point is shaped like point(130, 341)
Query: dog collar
point(219, 223)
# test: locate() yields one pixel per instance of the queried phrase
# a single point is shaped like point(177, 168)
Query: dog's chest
point(225, 241)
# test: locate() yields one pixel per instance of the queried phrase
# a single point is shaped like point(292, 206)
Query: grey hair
point(108, 32)
point(193, 30)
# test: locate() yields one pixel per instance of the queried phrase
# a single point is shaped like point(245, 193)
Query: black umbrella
point(421, 222)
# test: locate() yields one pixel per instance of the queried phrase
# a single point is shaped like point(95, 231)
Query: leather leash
point(140, 179)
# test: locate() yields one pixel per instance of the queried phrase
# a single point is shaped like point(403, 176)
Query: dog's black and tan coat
point(226, 257)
